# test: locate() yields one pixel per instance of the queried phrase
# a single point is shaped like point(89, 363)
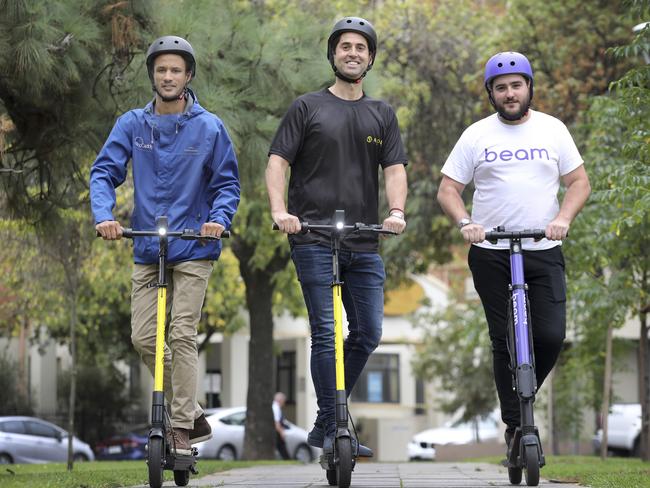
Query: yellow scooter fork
point(159, 370)
point(338, 338)
point(341, 402)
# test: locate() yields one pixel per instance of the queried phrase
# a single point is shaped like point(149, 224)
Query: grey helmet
point(171, 45)
point(352, 24)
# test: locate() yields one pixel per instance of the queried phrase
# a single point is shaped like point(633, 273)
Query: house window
point(212, 387)
point(420, 408)
point(285, 378)
point(379, 381)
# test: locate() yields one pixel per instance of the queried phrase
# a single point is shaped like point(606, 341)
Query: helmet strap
point(341, 76)
point(181, 96)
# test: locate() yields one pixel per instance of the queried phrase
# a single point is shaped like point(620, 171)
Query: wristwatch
point(463, 222)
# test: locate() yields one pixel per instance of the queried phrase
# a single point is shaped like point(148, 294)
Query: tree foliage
point(612, 236)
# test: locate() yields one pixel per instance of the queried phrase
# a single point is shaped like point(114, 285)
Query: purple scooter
point(525, 449)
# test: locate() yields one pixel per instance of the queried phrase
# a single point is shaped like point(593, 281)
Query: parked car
point(623, 430)
point(423, 445)
point(227, 441)
point(128, 446)
point(32, 440)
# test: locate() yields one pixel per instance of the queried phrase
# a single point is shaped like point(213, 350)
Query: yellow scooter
point(339, 467)
point(160, 454)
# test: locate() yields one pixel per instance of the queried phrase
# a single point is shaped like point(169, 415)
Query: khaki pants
point(186, 286)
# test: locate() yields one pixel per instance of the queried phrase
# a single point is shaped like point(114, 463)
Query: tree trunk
point(644, 390)
point(259, 437)
point(607, 382)
point(23, 381)
point(73, 375)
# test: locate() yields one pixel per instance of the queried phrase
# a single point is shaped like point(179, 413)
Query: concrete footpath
point(369, 475)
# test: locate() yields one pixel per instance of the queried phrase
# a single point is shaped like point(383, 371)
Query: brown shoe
point(201, 431)
point(179, 442)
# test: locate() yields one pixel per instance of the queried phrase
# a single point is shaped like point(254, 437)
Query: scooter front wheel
point(155, 461)
point(344, 465)
point(181, 477)
point(532, 465)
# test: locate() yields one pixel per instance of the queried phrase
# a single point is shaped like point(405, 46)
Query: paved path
point(369, 475)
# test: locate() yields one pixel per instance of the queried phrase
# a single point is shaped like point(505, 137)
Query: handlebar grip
point(224, 235)
point(304, 227)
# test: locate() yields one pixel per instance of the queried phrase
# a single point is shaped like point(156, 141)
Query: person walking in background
point(517, 158)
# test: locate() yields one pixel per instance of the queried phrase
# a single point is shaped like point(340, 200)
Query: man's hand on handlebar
point(212, 229)
point(110, 230)
point(287, 223)
point(394, 224)
point(473, 233)
point(557, 229)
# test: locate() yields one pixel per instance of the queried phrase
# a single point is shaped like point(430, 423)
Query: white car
point(32, 440)
point(423, 445)
point(227, 442)
point(623, 429)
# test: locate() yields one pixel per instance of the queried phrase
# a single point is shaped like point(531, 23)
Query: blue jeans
point(363, 279)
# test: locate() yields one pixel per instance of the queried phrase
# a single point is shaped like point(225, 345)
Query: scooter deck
point(182, 462)
point(327, 463)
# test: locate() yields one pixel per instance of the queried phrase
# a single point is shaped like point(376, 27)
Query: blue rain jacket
point(184, 167)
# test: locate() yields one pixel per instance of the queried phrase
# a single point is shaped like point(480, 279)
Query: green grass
point(100, 474)
point(591, 471)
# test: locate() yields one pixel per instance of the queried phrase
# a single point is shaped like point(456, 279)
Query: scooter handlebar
point(495, 235)
point(187, 234)
point(358, 227)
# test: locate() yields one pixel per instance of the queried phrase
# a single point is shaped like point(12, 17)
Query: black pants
point(544, 273)
point(281, 446)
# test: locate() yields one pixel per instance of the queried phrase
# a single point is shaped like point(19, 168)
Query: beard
point(524, 105)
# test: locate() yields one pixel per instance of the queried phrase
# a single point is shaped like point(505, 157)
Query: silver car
point(227, 441)
point(32, 440)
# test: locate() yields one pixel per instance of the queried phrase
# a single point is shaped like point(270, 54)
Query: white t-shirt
point(516, 171)
point(277, 412)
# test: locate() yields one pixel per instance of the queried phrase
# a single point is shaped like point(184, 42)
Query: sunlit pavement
point(369, 475)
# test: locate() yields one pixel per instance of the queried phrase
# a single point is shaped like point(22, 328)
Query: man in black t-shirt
point(334, 141)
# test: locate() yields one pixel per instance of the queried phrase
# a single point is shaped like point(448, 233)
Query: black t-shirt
point(335, 148)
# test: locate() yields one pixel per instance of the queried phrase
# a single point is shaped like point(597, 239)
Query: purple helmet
point(507, 63)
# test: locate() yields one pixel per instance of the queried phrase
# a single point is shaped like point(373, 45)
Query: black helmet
point(171, 45)
point(352, 24)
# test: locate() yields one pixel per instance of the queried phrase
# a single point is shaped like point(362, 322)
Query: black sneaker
point(316, 436)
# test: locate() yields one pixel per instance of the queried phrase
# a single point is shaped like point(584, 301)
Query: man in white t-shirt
point(516, 159)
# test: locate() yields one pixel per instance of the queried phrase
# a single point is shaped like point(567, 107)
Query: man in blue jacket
point(184, 167)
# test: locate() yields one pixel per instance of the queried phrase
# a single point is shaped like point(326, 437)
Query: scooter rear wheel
point(514, 475)
point(344, 465)
point(181, 477)
point(331, 476)
point(155, 461)
point(532, 465)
